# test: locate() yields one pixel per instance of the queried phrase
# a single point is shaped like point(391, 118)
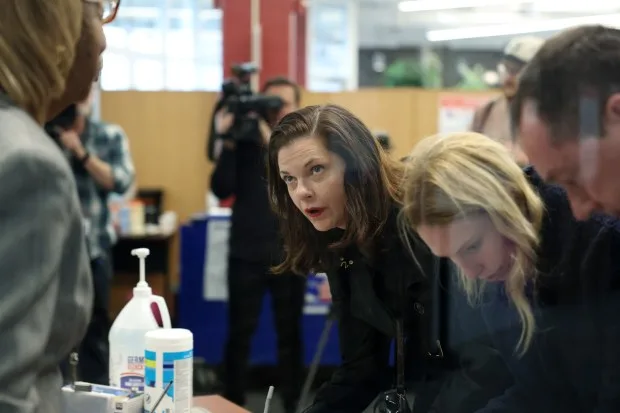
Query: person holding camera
point(255, 245)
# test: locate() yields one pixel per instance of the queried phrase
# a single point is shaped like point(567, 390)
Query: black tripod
point(316, 360)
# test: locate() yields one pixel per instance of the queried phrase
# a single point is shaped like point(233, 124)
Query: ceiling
point(383, 25)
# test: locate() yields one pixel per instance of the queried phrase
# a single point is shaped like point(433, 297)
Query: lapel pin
point(344, 263)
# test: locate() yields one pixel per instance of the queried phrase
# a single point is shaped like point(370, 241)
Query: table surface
point(218, 404)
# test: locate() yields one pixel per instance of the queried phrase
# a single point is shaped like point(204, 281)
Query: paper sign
point(318, 299)
point(456, 111)
point(215, 286)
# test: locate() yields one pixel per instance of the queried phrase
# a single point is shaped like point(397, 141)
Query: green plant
point(472, 78)
point(411, 72)
point(403, 73)
point(432, 70)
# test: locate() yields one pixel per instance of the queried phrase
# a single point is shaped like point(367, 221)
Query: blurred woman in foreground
point(49, 57)
point(546, 284)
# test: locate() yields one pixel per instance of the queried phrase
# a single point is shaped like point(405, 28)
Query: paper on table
point(199, 410)
point(215, 287)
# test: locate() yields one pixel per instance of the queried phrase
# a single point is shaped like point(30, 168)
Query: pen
point(162, 396)
point(268, 399)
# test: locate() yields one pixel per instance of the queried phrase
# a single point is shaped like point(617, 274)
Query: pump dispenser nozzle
point(141, 253)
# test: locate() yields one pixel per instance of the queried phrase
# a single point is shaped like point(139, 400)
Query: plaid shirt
point(109, 143)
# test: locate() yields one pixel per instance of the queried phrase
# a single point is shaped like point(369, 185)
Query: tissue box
point(91, 398)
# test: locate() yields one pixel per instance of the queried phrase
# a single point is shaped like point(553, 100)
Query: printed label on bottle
point(129, 373)
point(176, 372)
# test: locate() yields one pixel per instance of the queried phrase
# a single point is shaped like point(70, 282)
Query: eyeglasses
point(109, 9)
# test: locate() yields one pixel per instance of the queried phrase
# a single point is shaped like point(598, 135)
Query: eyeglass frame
point(116, 4)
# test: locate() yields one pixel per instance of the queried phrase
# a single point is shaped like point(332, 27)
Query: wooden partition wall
point(168, 131)
point(167, 134)
point(406, 115)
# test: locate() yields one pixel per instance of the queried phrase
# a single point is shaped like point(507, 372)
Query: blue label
point(179, 355)
point(150, 363)
point(132, 381)
point(168, 368)
point(167, 364)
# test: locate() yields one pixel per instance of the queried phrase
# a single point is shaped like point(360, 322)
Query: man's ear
point(612, 109)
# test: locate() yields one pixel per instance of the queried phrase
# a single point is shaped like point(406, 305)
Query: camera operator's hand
point(71, 140)
point(223, 121)
point(265, 131)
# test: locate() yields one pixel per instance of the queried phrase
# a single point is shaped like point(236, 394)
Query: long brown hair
point(372, 184)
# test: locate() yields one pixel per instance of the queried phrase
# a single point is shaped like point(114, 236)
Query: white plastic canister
point(168, 368)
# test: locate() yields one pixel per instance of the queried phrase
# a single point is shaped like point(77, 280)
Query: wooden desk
point(218, 404)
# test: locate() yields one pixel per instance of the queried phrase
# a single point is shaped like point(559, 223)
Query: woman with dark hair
point(338, 196)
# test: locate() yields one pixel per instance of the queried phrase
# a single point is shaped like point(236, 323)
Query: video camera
point(246, 105)
point(63, 121)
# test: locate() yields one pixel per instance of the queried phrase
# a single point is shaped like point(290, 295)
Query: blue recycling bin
point(207, 318)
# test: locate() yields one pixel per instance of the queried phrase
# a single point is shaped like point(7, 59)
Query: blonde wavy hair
point(454, 176)
point(37, 48)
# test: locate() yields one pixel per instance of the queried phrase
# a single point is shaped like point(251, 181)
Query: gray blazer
point(45, 281)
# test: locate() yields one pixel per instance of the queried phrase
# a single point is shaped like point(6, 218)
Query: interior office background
point(177, 45)
point(164, 65)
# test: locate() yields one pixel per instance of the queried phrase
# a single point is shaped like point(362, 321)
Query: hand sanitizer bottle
point(127, 342)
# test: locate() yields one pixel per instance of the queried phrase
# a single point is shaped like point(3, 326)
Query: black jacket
point(573, 365)
point(368, 296)
point(254, 228)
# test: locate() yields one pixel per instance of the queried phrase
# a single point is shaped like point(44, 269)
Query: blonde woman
point(49, 56)
point(544, 282)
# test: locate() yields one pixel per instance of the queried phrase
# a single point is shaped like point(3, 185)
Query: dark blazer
point(573, 364)
point(369, 293)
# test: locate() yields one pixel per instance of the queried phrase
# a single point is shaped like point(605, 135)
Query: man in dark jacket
point(566, 114)
point(255, 247)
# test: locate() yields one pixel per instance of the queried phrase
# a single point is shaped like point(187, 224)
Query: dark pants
point(94, 350)
point(247, 283)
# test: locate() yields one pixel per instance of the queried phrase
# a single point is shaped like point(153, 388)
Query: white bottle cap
point(142, 285)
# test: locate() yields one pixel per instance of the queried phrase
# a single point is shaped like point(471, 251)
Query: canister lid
point(169, 339)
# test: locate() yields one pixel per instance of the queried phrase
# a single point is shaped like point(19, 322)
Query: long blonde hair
point(37, 49)
point(449, 177)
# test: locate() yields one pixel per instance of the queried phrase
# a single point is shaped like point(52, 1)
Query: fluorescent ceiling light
point(520, 28)
point(434, 5)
